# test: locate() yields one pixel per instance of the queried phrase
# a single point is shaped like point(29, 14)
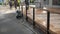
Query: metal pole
point(48, 22)
point(22, 10)
point(26, 12)
point(33, 16)
point(27, 5)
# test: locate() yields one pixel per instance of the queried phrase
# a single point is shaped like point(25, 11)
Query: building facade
point(52, 3)
point(48, 3)
point(42, 3)
point(3, 2)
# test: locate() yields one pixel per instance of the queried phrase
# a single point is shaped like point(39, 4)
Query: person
point(27, 4)
point(15, 3)
point(19, 1)
point(10, 4)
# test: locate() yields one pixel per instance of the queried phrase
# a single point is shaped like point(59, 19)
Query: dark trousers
point(10, 6)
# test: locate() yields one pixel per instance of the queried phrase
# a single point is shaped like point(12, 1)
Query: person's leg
point(10, 6)
point(15, 6)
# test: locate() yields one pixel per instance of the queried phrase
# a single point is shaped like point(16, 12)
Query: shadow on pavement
point(10, 25)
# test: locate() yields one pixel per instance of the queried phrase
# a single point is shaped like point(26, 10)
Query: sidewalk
point(10, 25)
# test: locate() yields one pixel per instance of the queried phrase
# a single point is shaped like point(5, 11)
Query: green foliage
point(0, 3)
point(31, 1)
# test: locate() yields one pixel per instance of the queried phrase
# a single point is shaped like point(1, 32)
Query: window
point(56, 2)
point(46, 2)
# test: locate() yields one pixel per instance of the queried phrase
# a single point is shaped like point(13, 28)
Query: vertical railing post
point(27, 5)
point(26, 12)
point(48, 22)
point(33, 16)
point(22, 10)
